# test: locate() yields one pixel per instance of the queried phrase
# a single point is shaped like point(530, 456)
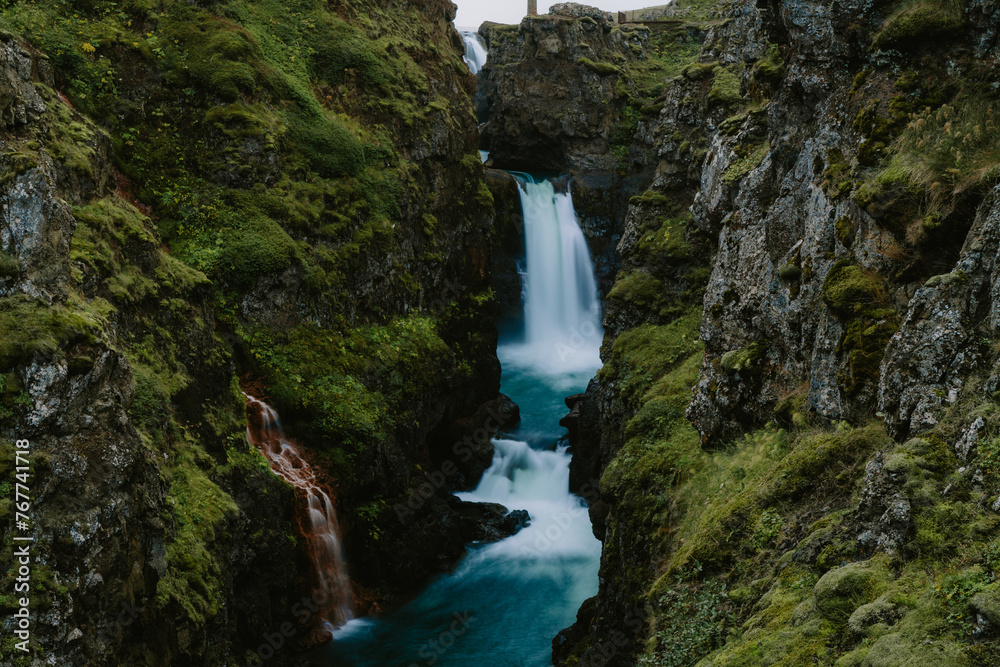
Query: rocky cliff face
point(121, 568)
point(550, 87)
point(196, 198)
point(812, 255)
point(564, 92)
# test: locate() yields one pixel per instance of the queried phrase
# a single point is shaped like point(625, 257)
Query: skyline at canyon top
point(472, 13)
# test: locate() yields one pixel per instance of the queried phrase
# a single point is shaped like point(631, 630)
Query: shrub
point(697, 621)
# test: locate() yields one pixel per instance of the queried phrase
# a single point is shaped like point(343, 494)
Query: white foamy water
point(475, 51)
point(562, 307)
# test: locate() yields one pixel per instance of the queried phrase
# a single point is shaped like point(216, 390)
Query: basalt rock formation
point(202, 196)
point(797, 412)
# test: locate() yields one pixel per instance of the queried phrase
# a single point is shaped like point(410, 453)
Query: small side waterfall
point(318, 521)
point(475, 51)
point(562, 307)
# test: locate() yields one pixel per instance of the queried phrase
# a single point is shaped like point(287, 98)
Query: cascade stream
point(475, 52)
point(318, 522)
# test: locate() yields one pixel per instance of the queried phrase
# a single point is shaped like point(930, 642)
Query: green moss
point(198, 510)
point(762, 473)
point(9, 265)
point(790, 272)
point(667, 245)
point(650, 198)
point(771, 68)
point(337, 47)
point(604, 69)
point(16, 163)
point(70, 139)
point(738, 361)
point(748, 159)
point(845, 231)
point(917, 21)
point(856, 297)
point(899, 649)
point(725, 88)
point(659, 440)
point(865, 342)
point(787, 408)
point(842, 590)
point(700, 71)
point(642, 355)
point(848, 288)
point(637, 289)
point(29, 327)
point(349, 390)
point(330, 148)
point(256, 247)
point(837, 175)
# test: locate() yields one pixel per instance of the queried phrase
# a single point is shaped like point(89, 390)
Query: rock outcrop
point(817, 208)
point(186, 208)
point(550, 87)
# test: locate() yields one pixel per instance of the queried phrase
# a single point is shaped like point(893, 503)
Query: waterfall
point(317, 520)
point(506, 600)
point(562, 308)
point(475, 52)
point(522, 477)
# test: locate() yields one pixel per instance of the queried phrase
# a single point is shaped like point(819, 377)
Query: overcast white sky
point(471, 13)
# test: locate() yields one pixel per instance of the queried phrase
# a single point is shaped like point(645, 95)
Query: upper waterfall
point(475, 52)
point(562, 307)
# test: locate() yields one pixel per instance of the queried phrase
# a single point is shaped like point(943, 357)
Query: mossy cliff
point(793, 432)
point(574, 92)
point(199, 192)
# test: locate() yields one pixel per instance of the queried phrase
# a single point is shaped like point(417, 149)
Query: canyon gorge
point(596, 340)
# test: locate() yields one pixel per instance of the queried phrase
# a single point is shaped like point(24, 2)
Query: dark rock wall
point(177, 228)
point(791, 204)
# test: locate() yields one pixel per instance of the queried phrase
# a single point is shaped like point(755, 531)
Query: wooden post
point(532, 7)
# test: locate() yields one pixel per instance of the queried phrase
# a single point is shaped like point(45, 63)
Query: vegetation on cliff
point(792, 522)
point(265, 189)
